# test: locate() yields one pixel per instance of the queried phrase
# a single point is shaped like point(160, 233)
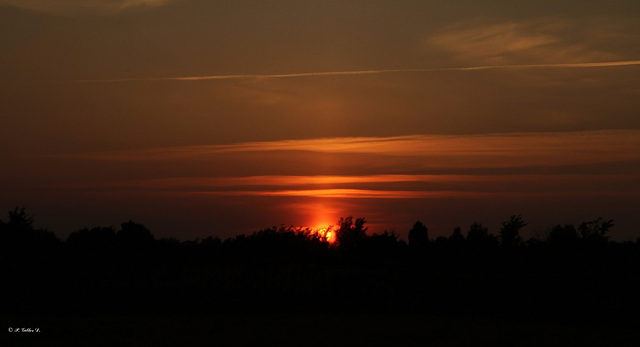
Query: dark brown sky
point(215, 117)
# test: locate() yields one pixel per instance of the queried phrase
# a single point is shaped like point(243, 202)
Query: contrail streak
point(366, 72)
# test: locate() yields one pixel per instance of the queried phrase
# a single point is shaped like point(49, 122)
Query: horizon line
point(366, 72)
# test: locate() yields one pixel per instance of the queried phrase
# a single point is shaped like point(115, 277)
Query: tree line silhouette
point(573, 273)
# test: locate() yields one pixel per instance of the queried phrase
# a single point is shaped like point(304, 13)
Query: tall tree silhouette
point(510, 231)
point(418, 235)
point(456, 237)
point(351, 233)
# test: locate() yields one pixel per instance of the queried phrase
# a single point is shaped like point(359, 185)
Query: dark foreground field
point(281, 329)
point(284, 286)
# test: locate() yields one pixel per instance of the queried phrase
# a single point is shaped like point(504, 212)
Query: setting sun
point(326, 233)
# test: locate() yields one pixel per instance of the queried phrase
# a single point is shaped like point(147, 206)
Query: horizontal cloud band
point(400, 167)
point(434, 151)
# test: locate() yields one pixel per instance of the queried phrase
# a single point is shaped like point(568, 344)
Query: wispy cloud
point(540, 41)
point(600, 64)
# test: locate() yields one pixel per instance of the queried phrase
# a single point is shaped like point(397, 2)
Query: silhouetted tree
point(134, 234)
point(29, 263)
point(92, 238)
point(211, 243)
point(19, 219)
point(563, 236)
point(479, 239)
point(383, 246)
point(477, 233)
point(510, 231)
point(18, 235)
point(349, 234)
point(595, 231)
point(418, 235)
point(456, 237)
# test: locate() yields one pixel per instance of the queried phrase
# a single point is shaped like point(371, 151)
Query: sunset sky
point(200, 117)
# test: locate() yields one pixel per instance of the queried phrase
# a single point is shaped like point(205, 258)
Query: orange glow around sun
point(326, 233)
point(319, 219)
